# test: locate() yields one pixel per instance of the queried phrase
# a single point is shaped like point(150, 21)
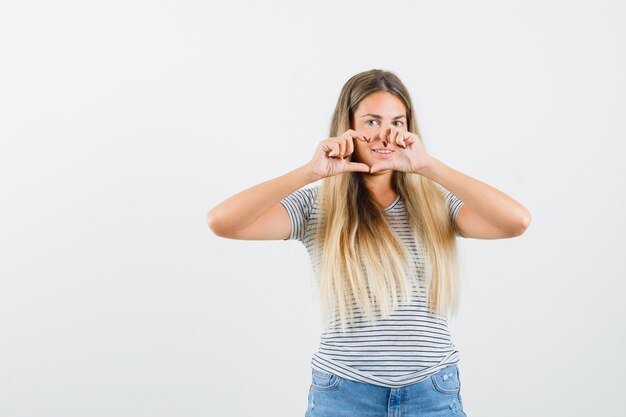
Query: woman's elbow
point(214, 224)
point(523, 223)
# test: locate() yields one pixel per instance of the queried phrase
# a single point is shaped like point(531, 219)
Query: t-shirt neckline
point(393, 204)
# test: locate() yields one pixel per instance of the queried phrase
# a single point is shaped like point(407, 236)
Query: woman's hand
point(332, 156)
point(411, 157)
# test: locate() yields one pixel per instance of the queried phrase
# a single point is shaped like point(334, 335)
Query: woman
point(381, 233)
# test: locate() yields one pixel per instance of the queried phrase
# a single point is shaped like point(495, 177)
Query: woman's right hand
point(332, 155)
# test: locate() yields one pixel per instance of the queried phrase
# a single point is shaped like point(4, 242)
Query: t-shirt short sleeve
point(454, 205)
point(299, 205)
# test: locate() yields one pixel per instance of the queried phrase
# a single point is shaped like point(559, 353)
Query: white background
point(123, 122)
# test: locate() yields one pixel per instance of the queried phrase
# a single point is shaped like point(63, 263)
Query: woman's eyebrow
point(377, 116)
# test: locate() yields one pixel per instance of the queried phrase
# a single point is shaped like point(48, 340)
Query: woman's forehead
point(382, 104)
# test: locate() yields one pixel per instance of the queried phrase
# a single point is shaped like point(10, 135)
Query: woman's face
point(374, 113)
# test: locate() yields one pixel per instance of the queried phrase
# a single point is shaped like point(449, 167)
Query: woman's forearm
point(494, 206)
point(243, 208)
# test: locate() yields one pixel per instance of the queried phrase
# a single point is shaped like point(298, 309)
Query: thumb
point(379, 166)
point(357, 167)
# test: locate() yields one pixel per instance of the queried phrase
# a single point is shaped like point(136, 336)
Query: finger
point(349, 146)
point(342, 148)
point(338, 150)
point(357, 135)
point(395, 136)
point(356, 167)
point(334, 149)
point(410, 140)
point(403, 139)
point(337, 147)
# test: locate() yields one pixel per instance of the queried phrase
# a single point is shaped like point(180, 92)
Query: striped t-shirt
point(403, 348)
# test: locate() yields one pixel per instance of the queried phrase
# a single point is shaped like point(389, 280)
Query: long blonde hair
point(364, 264)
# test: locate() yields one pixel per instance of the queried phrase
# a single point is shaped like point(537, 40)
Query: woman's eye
point(374, 120)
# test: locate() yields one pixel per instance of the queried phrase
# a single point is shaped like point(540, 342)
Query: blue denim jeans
point(439, 395)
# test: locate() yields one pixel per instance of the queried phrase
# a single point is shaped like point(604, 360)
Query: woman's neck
point(380, 185)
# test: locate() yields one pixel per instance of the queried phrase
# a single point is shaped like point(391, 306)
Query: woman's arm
point(257, 214)
point(237, 216)
point(487, 213)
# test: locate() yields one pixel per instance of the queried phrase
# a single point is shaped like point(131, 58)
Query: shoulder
point(302, 200)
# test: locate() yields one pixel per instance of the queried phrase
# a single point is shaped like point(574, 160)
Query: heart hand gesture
point(411, 156)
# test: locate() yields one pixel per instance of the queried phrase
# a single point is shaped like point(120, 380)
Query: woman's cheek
point(358, 149)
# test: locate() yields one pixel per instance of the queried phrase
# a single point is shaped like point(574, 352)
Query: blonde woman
point(380, 229)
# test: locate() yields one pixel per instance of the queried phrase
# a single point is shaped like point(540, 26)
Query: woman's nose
point(376, 137)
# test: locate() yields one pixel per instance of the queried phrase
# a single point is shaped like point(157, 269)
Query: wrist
point(308, 173)
point(430, 168)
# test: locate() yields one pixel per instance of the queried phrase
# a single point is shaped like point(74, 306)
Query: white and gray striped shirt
point(403, 348)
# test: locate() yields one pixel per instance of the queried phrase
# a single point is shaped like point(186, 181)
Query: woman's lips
point(383, 155)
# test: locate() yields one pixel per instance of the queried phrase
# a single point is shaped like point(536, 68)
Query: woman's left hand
point(410, 155)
